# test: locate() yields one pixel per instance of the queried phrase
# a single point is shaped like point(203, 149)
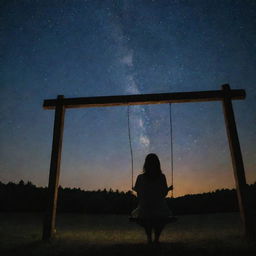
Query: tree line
point(28, 197)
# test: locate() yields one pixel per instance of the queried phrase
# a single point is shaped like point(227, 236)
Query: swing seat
point(168, 219)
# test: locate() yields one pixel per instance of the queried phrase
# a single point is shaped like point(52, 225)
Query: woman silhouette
point(151, 187)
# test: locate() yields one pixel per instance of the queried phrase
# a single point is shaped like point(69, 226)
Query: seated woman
point(151, 187)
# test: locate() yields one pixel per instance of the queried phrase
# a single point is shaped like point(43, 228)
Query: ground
point(80, 234)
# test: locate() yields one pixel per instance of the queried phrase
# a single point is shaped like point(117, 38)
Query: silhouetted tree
point(27, 197)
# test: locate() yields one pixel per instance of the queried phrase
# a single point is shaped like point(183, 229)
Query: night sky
point(100, 48)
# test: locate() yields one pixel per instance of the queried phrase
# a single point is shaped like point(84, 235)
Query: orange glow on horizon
point(187, 180)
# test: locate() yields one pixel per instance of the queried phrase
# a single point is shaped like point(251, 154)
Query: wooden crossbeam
point(141, 99)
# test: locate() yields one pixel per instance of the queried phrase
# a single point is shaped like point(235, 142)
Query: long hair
point(152, 166)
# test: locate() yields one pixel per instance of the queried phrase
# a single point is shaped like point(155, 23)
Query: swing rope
point(130, 141)
point(171, 149)
point(171, 137)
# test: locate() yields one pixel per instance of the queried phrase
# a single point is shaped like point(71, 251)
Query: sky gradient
point(100, 48)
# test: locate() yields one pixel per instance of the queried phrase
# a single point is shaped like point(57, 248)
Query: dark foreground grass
point(77, 234)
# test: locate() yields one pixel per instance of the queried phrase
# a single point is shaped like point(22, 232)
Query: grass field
point(77, 234)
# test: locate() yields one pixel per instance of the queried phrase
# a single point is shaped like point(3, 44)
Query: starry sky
point(120, 47)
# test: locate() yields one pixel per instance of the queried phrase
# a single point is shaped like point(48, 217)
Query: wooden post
point(237, 161)
point(50, 215)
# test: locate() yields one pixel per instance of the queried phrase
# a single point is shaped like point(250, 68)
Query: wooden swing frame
point(226, 95)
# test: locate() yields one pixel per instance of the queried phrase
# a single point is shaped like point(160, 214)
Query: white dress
point(151, 195)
